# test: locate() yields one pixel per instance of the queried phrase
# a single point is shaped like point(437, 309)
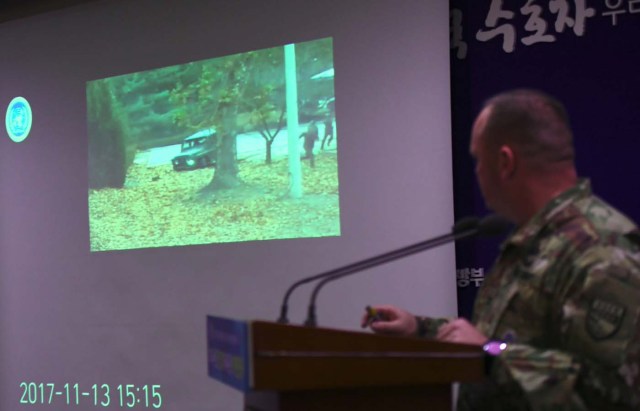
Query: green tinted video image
point(199, 153)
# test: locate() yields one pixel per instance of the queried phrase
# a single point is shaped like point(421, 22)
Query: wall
point(138, 317)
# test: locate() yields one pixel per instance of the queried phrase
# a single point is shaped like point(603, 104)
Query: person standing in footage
point(310, 137)
point(560, 310)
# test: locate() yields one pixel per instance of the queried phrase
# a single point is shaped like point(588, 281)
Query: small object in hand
point(372, 316)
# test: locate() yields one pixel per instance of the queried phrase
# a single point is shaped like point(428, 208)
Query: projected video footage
point(199, 153)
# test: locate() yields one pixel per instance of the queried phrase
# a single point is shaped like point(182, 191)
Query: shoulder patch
point(604, 318)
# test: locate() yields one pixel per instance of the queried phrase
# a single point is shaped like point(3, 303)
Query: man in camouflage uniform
point(564, 294)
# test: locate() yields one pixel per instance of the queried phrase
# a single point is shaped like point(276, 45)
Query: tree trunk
point(110, 150)
point(226, 174)
point(268, 144)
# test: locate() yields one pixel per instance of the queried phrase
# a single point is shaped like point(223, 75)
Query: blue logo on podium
point(19, 119)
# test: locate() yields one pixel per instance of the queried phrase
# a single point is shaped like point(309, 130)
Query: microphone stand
point(379, 260)
point(466, 227)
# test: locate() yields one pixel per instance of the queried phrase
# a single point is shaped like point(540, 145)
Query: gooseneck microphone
point(491, 225)
point(465, 227)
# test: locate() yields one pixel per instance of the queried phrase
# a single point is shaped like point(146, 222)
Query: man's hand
point(393, 321)
point(461, 331)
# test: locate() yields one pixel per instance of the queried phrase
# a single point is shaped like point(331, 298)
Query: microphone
point(464, 227)
point(465, 223)
point(491, 225)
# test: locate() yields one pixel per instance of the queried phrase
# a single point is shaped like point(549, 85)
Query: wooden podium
point(295, 368)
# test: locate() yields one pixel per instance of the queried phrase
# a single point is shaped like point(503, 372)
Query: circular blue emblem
point(19, 119)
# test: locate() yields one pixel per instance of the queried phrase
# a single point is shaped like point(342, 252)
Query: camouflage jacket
point(565, 294)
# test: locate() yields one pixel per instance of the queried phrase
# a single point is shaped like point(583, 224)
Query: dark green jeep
point(197, 151)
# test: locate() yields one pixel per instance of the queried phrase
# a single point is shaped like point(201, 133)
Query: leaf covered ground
point(160, 207)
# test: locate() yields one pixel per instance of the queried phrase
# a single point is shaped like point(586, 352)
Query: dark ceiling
point(16, 9)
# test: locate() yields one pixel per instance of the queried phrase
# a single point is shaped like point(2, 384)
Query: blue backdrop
point(584, 52)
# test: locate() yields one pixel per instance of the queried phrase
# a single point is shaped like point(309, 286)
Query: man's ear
point(506, 162)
